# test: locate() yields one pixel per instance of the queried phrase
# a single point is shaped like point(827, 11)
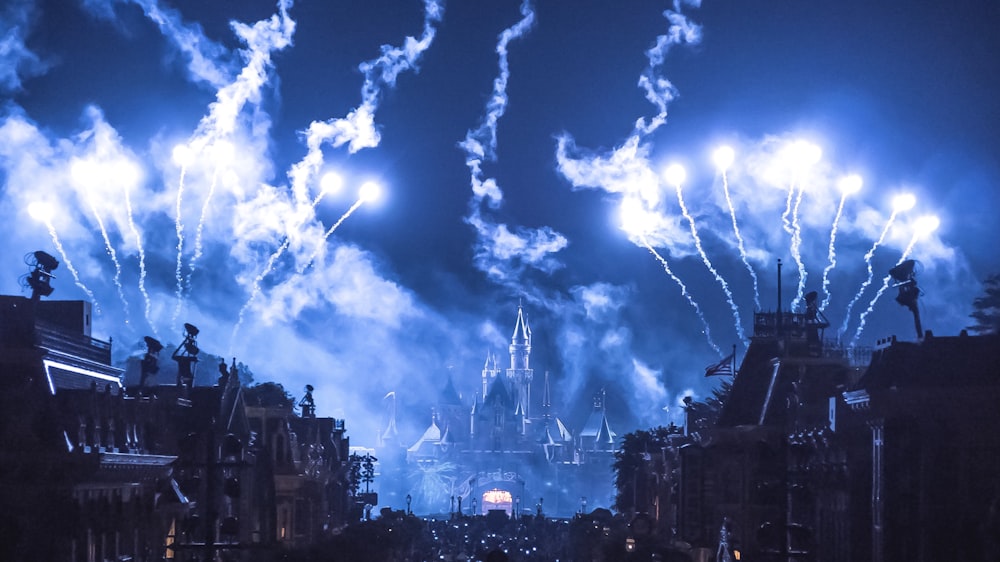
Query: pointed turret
point(596, 434)
point(520, 372)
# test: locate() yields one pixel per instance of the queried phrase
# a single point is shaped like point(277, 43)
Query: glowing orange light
point(497, 496)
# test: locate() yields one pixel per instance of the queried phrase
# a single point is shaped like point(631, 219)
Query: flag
point(723, 367)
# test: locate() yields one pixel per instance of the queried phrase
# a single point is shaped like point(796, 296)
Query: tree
point(644, 468)
point(986, 307)
point(268, 394)
point(703, 415)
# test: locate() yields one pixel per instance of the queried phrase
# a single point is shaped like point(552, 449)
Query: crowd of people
point(495, 537)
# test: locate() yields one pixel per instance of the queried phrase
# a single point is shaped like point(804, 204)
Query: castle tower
point(520, 373)
point(490, 371)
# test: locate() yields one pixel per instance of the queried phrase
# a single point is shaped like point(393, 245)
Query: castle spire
point(520, 372)
point(546, 398)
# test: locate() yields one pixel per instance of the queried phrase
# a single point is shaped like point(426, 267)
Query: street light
point(409, 499)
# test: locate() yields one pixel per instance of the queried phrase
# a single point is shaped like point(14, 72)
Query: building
point(831, 454)
point(505, 449)
point(92, 469)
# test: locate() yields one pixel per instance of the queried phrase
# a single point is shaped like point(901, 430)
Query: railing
point(78, 345)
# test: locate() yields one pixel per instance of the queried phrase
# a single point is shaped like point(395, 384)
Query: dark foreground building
point(92, 469)
point(817, 457)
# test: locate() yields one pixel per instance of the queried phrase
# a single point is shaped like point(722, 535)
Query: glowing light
point(926, 225)
point(223, 152)
point(675, 174)
point(635, 219)
point(497, 496)
point(40, 211)
point(802, 154)
point(369, 192)
point(851, 184)
point(182, 155)
point(903, 202)
point(331, 182)
point(723, 157)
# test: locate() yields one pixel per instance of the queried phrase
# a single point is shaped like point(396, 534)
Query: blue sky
point(506, 138)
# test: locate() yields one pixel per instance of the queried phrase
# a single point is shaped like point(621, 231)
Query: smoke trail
point(660, 91)
point(142, 262)
point(357, 129)
point(179, 229)
point(201, 53)
point(666, 267)
point(885, 285)
point(261, 39)
point(708, 264)
point(796, 249)
point(871, 274)
point(69, 265)
point(269, 266)
point(739, 241)
point(497, 246)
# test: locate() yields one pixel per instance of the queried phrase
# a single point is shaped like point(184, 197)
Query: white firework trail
point(929, 223)
point(848, 185)
point(796, 249)
point(69, 265)
point(255, 289)
point(739, 241)
point(666, 267)
point(871, 274)
point(708, 264)
point(109, 247)
point(147, 310)
point(357, 129)
point(786, 222)
point(198, 249)
point(331, 230)
point(179, 228)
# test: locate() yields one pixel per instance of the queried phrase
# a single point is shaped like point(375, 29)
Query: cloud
point(208, 62)
point(17, 61)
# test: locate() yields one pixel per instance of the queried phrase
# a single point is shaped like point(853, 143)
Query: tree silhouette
point(703, 415)
point(268, 394)
point(644, 468)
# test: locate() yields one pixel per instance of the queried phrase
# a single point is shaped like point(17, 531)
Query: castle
point(505, 450)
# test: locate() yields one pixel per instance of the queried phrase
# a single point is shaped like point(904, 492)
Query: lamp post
point(409, 499)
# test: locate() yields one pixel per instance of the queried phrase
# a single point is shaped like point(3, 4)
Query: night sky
point(173, 154)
